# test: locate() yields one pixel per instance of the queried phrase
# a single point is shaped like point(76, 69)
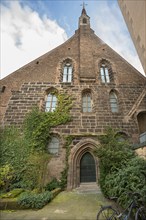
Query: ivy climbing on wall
point(37, 125)
point(25, 149)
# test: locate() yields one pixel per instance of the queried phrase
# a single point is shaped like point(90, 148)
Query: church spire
point(84, 10)
point(84, 19)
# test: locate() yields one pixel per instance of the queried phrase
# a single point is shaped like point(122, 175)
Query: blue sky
point(30, 28)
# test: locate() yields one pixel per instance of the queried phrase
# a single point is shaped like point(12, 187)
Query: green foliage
point(14, 151)
point(33, 200)
point(121, 170)
point(125, 179)
point(6, 176)
point(113, 153)
point(54, 184)
point(40, 123)
point(12, 194)
point(25, 150)
point(63, 180)
point(34, 175)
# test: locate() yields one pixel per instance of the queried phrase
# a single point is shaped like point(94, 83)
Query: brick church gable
point(106, 91)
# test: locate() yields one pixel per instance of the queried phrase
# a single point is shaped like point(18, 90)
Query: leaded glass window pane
point(49, 98)
point(107, 75)
point(53, 146)
point(102, 75)
point(65, 74)
point(47, 106)
point(69, 74)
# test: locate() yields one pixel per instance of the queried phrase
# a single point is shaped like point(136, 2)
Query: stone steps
point(88, 188)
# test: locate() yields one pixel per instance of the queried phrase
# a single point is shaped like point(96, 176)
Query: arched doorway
point(82, 161)
point(87, 168)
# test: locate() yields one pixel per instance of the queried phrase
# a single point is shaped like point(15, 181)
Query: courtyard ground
point(74, 205)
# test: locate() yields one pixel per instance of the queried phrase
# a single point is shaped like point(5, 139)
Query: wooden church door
point(87, 168)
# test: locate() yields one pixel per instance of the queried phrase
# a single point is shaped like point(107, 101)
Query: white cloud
point(110, 27)
point(25, 36)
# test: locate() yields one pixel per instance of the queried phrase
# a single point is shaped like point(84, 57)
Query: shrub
point(52, 185)
point(14, 151)
point(34, 176)
point(33, 200)
point(127, 178)
point(121, 170)
point(6, 176)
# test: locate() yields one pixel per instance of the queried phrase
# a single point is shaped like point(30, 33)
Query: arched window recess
point(86, 101)
point(106, 73)
point(113, 102)
point(51, 101)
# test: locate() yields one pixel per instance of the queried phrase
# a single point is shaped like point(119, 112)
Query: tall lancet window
point(104, 72)
point(113, 102)
point(51, 103)
point(67, 72)
point(86, 102)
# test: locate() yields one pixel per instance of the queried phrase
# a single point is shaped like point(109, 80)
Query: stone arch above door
point(77, 152)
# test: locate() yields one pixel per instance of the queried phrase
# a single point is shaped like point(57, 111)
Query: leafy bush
point(121, 170)
point(14, 151)
point(34, 176)
point(34, 201)
point(127, 178)
point(52, 185)
point(6, 176)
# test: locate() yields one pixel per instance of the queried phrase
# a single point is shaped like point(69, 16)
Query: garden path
point(78, 204)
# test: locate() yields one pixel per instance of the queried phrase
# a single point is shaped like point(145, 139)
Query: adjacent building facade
point(134, 13)
point(106, 91)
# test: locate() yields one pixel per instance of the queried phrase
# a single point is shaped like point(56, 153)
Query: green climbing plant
point(63, 180)
point(40, 123)
point(25, 149)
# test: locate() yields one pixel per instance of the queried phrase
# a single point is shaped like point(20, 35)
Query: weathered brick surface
point(27, 87)
point(30, 94)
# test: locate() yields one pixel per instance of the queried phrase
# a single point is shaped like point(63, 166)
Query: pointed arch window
point(86, 102)
point(51, 103)
point(104, 72)
point(53, 146)
point(113, 102)
point(67, 72)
